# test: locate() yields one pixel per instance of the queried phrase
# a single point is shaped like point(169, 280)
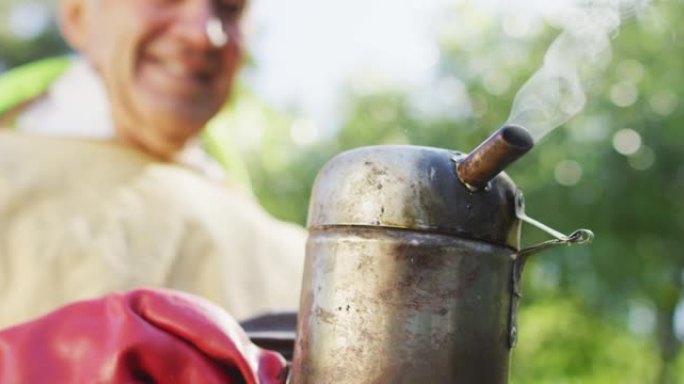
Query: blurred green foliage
point(28, 31)
point(605, 313)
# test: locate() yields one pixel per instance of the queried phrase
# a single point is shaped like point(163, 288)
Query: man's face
point(165, 63)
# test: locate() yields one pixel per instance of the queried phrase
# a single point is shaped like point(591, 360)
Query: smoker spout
point(502, 148)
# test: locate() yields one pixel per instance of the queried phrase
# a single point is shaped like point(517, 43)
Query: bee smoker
point(413, 265)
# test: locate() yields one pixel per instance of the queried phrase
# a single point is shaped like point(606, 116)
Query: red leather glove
point(139, 337)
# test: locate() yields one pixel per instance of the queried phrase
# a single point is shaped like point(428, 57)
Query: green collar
point(29, 81)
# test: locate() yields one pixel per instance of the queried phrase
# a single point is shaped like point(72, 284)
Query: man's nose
point(201, 26)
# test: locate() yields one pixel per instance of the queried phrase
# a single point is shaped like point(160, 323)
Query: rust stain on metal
point(408, 293)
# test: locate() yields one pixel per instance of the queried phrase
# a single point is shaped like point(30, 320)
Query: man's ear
point(74, 23)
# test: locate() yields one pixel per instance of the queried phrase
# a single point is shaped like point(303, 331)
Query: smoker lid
point(415, 188)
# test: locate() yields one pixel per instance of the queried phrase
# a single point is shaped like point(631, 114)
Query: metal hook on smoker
point(579, 236)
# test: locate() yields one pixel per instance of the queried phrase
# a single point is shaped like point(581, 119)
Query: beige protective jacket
point(79, 219)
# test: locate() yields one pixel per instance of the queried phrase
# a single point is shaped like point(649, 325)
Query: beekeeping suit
point(83, 216)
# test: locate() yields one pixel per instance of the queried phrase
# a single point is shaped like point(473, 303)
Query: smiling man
point(104, 184)
point(166, 65)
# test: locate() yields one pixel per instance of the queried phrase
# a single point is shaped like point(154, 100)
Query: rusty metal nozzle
point(502, 148)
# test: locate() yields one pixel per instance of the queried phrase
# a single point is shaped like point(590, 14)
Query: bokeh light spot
point(627, 141)
point(568, 173)
point(28, 20)
point(643, 159)
point(664, 102)
point(624, 94)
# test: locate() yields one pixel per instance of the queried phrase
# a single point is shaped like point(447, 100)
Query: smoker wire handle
point(579, 236)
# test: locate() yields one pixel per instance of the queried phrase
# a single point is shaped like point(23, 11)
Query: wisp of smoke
point(555, 92)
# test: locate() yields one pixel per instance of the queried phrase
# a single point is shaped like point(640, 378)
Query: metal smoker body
point(410, 274)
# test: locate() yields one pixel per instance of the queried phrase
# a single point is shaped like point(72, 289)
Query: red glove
point(138, 337)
